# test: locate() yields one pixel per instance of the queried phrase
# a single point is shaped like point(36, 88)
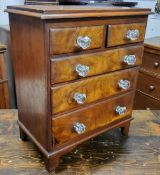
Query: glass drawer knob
point(121, 110)
point(79, 98)
point(82, 70)
point(130, 59)
point(124, 84)
point(132, 34)
point(83, 42)
point(79, 128)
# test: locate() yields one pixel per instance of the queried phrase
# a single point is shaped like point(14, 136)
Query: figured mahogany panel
point(117, 33)
point(94, 88)
point(64, 69)
point(151, 62)
point(149, 85)
point(93, 116)
point(64, 40)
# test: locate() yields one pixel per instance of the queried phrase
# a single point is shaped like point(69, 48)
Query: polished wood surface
point(95, 88)
point(4, 95)
point(109, 153)
point(92, 117)
point(30, 69)
point(62, 12)
point(153, 43)
point(4, 91)
point(98, 63)
point(149, 79)
point(151, 62)
point(40, 101)
point(144, 101)
point(149, 85)
point(64, 40)
point(117, 33)
point(3, 70)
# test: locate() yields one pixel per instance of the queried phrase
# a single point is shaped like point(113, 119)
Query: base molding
point(67, 147)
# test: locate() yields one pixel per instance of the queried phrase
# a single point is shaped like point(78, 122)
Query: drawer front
point(75, 94)
point(125, 34)
point(3, 72)
point(151, 62)
point(4, 95)
point(142, 102)
point(70, 125)
point(149, 85)
point(67, 40)
point(77, 67)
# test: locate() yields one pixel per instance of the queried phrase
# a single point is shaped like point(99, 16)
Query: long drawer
point(75, 39)
point(149, 85)
point(76, 67)
point(143, 101)
point(125, 34)
point(70, 125)
point(71, 95)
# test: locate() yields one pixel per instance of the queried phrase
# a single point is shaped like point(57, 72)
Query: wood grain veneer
point(98, 63)
point(45, 94)
point(64, 40)
point(94, 116)
point(117, 33)
point(95, 88)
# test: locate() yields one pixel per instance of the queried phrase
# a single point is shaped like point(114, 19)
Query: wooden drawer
point(67, 40)
point(149, 85)
point(151, 62)
point(143, 101)
point(4, 95)
point(3, 71)
point(65, 127)
point(68, 96)
point(117, 34)
point(75, 67)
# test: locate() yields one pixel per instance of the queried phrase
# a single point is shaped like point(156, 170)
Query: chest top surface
point(53, 12)
point(153, 43)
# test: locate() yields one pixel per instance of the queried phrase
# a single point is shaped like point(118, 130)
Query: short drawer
point(70, 125)
point(68, 96)
point(125, 34)
point(149, 85)
point(67, 40)
point(77, 67)
point(151, 62)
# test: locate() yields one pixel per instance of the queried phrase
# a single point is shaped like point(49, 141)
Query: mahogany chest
point(4, 93)
point(148, 87)
point(75, 70)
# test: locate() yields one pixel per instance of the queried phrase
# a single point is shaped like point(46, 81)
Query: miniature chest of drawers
point(75, 71)
point(148, 87)
point(4, 93)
